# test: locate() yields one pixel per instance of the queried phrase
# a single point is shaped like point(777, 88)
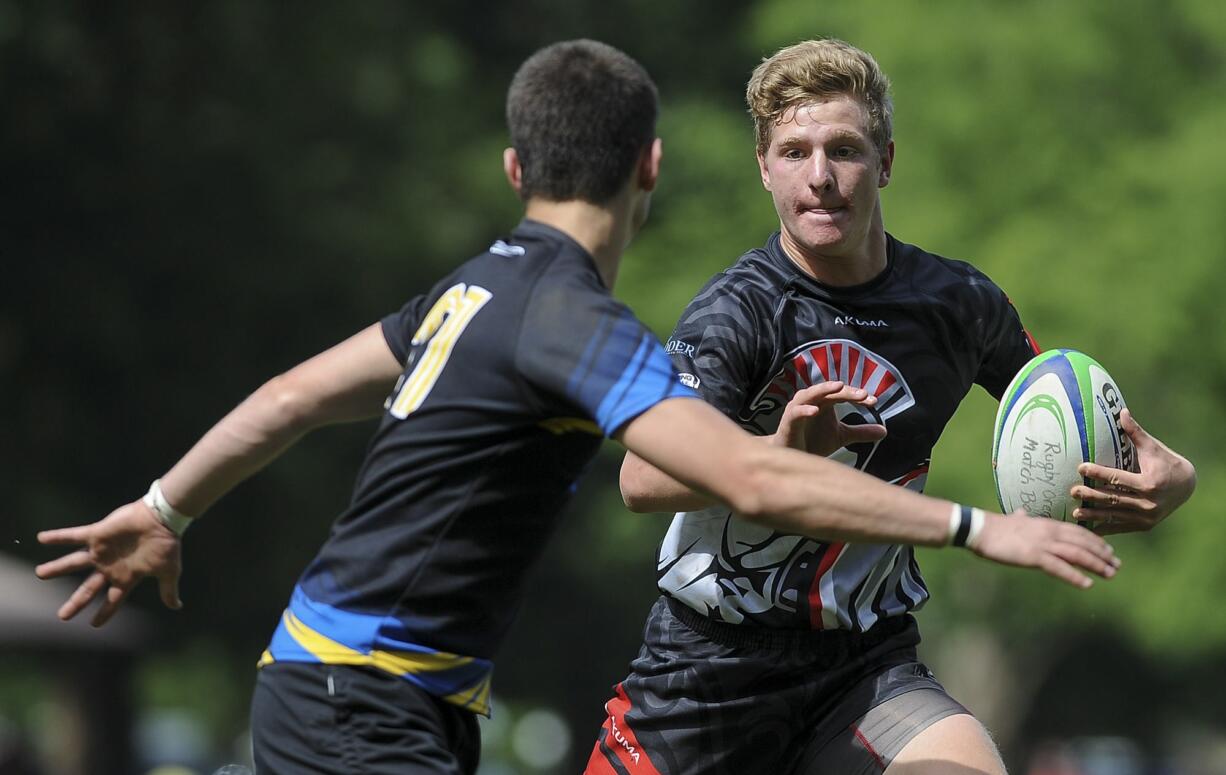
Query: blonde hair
point(814, 71)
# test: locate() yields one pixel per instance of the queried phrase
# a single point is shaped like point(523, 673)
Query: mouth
point(829, 212)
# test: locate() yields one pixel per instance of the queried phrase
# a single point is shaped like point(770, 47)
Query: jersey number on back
point(443, 325)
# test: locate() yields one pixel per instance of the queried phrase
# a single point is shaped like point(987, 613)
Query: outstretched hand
point(810, 423)
point(1126, 502)
point(128, 545)
point(1060, 549)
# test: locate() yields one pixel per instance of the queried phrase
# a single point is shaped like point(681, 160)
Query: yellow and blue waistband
point(315, 632)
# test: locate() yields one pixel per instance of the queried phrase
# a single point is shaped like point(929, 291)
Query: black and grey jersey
point(917, 336)
point(516, 366)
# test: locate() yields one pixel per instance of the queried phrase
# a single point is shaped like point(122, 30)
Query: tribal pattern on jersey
point(917, 337)
point(515, 367)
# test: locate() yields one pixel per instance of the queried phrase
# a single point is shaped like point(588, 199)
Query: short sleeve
point(716, 345)
point(400, 326)
point(585, 348)
point(1008, 345)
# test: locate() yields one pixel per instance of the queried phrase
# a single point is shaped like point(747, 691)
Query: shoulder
point(748, 289)
point(948, 278)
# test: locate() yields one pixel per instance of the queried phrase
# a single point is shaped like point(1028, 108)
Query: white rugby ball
point(1061, 409)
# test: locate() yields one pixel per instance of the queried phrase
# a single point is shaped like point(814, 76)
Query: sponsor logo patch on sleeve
point(678, 347)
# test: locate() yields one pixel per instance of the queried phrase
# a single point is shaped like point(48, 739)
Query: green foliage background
point(203, 194)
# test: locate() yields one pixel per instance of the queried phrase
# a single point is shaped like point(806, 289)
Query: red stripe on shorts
point(619, 739)
point(868, 747)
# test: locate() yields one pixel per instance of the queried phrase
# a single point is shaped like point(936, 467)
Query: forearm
point(812, 496)
point(344, 383)
point(250, 437)
point(784, 489)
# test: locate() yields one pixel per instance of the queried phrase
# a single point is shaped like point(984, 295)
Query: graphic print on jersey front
point(759, 574)
point(919, 336)
point(831, 360)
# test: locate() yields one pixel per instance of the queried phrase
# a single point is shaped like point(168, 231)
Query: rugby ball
point(1061, 409)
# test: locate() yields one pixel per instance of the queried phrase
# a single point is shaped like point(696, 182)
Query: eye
point(846, 152)
point(793, 153)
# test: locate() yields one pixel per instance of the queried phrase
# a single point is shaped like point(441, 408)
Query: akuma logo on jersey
point(851, 320)
point(828, 360)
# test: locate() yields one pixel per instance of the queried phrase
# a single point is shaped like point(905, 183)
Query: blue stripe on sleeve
point(589, 363)
point(623, 372)
point(647, 379)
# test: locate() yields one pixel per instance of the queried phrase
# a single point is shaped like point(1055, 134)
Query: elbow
point(286, 404)
point(635, 503)
point(634, 496)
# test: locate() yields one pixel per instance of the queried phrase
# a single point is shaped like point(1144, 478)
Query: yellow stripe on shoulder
point(560, 425)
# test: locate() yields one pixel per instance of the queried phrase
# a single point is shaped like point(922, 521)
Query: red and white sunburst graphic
point(828, 360)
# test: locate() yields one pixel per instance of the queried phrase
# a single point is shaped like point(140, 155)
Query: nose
point(821, 177)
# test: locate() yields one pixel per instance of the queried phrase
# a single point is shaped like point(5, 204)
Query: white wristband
point(167, 514)
point(965, 524)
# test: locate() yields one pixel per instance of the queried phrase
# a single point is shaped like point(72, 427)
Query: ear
point(513, 170)
point(887, 165)
point(766, 176)
point(649, 165)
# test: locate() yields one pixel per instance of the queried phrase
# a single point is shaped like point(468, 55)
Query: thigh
point(340, 719)
point(890, 733)
point(955, 744)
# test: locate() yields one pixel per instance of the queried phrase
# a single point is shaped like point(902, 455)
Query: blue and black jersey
point(516, 366)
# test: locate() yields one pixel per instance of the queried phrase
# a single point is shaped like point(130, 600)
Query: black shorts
point(341, 720)
point(708, 697)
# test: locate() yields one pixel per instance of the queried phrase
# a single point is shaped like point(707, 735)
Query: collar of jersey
point(533, 228)
point(774, 250)
point(530, 228)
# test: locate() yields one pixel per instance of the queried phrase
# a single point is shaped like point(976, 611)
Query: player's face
point(824, 171)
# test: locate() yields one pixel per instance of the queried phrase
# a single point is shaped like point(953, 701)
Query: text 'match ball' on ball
point(1061, 409)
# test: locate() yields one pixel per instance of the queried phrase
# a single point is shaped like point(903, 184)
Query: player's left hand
point(1124, 502)
point(128, 545)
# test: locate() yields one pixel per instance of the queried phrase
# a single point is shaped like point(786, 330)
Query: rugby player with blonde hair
point(772, 651)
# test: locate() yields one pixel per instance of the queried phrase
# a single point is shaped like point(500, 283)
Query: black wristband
point(964, 526)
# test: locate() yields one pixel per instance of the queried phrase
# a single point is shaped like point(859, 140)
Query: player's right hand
point(120, 550)
point(1059, 549)
point(809, 422)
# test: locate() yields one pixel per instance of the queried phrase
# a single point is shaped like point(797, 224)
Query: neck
point(604, 231)
point(840, 268)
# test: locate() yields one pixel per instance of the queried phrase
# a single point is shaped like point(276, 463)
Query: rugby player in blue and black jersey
point(494, 390)
point(773, 652)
